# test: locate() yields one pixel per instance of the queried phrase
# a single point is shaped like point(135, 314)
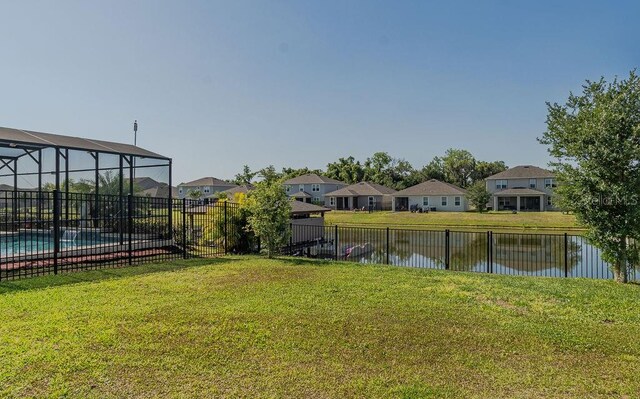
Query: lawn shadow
point(70, 278)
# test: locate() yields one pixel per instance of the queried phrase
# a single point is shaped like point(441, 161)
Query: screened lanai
point(79, 200)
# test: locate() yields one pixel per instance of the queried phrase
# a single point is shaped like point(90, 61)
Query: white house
point(432, 195)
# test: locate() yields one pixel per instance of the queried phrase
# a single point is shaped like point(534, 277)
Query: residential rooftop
point(361, 189)
point(523, 172)
point(208, 181)
point(431, 187)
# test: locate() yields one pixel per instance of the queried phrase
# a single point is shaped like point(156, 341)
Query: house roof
point(244, 189)
point(431, 187)
point(146, 183)
point(510, 192)
point(207, 181)
point(301, 194)
point(299, 207)
point(312, 178)
point(45, 140)
point(523, 172)
point(361, 189)
point(161, 191)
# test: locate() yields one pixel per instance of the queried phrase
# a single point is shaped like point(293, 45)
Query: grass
point(250, 327)
point(542, 222)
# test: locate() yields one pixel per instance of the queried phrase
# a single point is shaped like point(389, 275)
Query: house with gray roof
point(206, 185)
point(431, 195)
point(522, 188)
point(311, 188)
point(363, 195)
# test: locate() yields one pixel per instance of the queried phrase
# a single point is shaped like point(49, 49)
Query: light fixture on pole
point(135, 132)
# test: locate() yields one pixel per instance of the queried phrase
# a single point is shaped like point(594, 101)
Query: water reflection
point(512, 253)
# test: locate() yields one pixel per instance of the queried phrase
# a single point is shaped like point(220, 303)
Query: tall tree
point(459, 167)
point(245, 177)
point(595, 138)
point(269, 174)
point(288, 173)
point(347, 170)
point(433, 170)
point(485, 169)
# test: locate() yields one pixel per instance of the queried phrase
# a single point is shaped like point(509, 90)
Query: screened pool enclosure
point(71, 201)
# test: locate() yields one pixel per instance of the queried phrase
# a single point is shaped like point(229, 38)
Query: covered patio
point(519, 199)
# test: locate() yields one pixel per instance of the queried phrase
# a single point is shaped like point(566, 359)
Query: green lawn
point(497, 221)
point(298, 328)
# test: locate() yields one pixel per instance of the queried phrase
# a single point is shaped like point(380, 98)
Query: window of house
point(444, 201)
point(549, 202)
point(532, 183)
point(287, 188)
point(180, 190)
point(332, 201)
point(501, 184)
point(207, 190)
point(316, 200)
point(301, 187)
point(549, 183)
point(315, 187)
point(457, 201)
point(372, 202)
point(425, 201)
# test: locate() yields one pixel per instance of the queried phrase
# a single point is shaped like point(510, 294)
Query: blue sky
point(216, 85)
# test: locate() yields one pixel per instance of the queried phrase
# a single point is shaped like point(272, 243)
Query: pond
point(552, 255)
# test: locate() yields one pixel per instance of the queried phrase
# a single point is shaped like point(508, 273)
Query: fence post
point(290, 239)
point(225, 228)
point(488, 252)
point(56, 229)
point(566, 255)
point(184, 228)
point(130, 226)
point(335, 239)
point(446, 249)
point(387, 260)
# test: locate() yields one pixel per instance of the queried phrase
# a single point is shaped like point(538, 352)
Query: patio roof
point(13, 142)
point(515, 192)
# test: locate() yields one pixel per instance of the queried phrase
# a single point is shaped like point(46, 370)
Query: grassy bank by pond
point(247, 326)
point(531, 222)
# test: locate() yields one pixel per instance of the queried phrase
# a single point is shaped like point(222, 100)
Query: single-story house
point(522, 188)
point(363, 195)
point(431, 195)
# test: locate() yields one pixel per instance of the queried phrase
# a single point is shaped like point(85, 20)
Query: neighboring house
point(315, 187)
point(206, 185)
point(522, 188)
point(431, 195)
point(363, 195)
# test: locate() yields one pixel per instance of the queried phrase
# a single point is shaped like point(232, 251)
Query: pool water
point(33, 242)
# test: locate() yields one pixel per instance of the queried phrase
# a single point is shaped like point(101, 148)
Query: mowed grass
point(473, 221)
point(250, 327)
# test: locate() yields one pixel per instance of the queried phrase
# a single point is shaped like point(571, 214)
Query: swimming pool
point(25, 243)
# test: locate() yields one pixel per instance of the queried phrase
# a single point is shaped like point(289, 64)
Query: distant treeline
point(456, 166)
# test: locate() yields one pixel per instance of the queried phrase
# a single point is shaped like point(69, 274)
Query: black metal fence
point(551, 255)
point(53, 232)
